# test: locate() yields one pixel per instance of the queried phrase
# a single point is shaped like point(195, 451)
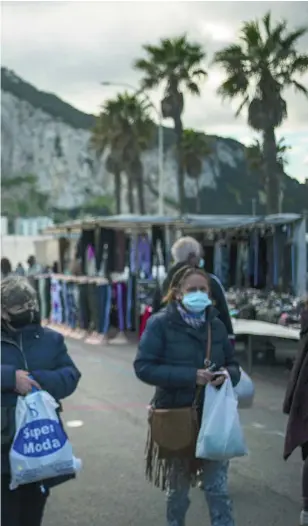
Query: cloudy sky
point(70, 47)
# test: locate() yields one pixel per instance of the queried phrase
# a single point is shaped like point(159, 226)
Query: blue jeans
point(215, 480)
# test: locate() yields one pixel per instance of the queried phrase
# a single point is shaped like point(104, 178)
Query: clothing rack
point(211, 229)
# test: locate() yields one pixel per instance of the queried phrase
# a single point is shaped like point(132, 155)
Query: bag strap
point(207, 362)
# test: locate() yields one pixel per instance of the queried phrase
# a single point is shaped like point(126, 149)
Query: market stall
point(121, 258)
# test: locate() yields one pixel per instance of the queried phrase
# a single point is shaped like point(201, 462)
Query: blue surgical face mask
point(196, 301)
point(201, 263)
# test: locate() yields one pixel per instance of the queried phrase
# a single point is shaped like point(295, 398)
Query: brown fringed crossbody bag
point(175, 431)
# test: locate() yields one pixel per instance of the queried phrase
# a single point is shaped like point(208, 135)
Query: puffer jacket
point(171, 351)
point(43, 353)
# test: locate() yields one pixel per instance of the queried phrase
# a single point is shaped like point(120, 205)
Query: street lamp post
point(160, 142)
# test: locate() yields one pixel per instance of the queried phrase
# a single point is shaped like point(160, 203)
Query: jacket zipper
point(21, 348)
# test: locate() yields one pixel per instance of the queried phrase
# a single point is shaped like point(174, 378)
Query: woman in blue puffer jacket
point(31, 356)
point(171, 357)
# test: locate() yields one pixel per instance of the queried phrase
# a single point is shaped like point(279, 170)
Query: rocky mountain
point(45, 136)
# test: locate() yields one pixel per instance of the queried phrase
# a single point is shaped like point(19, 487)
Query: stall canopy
point(186, 222)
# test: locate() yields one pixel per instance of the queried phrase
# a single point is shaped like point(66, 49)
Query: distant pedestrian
point(34, 268)
point(20, 271)
point(6, 268)
point(296, 406)
point(188, 251)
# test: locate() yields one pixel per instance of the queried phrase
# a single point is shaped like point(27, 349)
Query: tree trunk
point(198, 197)
point(117, 191)
point(140, 193)
point(178, 128)
point(271, 171)
point(130, 186)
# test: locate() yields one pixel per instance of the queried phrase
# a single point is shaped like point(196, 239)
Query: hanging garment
point(120, 251)
point(241, 264)
point(90, 261)
point(144, 319)
point(66, 315)
point(218, 260)
point(130, 302)
point(140, 256)
point(71, 305)
point(42, 296)
point(84, 308)
point(76, 294)
point(87, 237)
point(225, 265)
point(104, 293)
point(233, 259)
point(47, 294)
point(106, 242)
point(56, 304)
point(158, 237)
point(121, 294)
point(93, 307)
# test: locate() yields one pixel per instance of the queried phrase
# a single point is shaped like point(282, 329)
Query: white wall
point(18, 248)
point(4, 225)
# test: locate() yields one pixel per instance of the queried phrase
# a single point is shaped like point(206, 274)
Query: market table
point(251, 328)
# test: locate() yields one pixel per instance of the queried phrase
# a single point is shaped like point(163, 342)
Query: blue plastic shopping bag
point(220, 436)
point(41, 449)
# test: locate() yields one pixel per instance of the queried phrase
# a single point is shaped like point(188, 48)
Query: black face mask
point(18, 321)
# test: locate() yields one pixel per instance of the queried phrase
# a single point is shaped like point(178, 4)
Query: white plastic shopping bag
point(220, 436)
point(245, 391)
point(41, 449)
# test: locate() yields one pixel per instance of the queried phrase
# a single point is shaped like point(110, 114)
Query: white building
point(31, 226)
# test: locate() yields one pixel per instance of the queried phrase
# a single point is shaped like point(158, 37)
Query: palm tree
point(105, 137)
point(176, 64)
point(256, 162)
point(195, 146)
point(124, 126)
point(259, 69)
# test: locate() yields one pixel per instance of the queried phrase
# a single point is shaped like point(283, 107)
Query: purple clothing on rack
point(140, 256)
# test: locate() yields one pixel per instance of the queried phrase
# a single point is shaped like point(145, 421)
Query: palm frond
point(244, 103)
point(289, 41)
point(267, 23)
point(251, 34)
point(232, 55)
point(299, 65)
point(201, 73)
point(193, 88)
point(299, 87)
point(233, 86)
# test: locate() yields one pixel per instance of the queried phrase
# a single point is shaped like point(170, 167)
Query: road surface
point(109, 413)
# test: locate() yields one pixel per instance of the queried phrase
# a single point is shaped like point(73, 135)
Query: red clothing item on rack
point(144, 319)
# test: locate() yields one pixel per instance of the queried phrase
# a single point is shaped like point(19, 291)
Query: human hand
point(218, 380)
point(24, 383)
point(204, 376)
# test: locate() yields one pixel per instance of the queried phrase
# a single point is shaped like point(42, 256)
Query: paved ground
point(111, 490)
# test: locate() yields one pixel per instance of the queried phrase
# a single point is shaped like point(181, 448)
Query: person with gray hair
point(188, 251)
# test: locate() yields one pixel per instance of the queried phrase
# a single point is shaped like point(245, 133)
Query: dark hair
point(180, 277)
point(6, 267)
point(31, 260)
